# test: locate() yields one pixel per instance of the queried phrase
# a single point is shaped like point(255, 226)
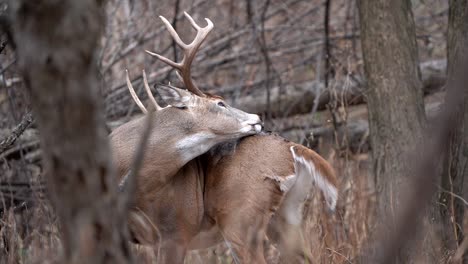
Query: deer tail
point(310, 169)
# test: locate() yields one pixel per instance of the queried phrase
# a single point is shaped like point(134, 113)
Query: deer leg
point(245, 239)
point(289, 241)
point(167, 250)
point(142, 231)
point(245, 249)
point(171, 252)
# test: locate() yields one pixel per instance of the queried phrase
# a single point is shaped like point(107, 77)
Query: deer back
point(264, 175)
point(266, 170)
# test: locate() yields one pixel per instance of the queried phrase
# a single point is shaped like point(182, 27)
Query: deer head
point(190, 124)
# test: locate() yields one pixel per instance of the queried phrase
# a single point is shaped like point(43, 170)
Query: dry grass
point(31, 235)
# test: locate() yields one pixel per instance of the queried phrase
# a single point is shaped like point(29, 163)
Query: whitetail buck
point(190, 125)
point(259, 183)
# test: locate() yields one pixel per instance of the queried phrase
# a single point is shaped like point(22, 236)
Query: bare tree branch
point(6, 143)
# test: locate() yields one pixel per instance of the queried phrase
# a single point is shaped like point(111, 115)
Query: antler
point(189, 50)
point(148, 91)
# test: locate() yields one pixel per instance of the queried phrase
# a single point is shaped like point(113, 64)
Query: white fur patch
point(246, 129)
point(251, 125)
point(329, 190)
point(194, 145)
point(305, 176)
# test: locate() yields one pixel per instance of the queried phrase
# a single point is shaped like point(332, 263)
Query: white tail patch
point(306, 176)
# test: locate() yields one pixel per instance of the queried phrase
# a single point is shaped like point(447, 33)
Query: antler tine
point(173, 33)
point(179, 77)
point(209, 25)
point(134, 95)
point(189, 50)
point(150, 94)
point(176, 65)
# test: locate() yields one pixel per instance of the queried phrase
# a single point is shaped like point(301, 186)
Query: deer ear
point(174, 96)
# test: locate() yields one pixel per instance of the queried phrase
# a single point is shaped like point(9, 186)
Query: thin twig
point(326, 24)
point(456, 196)
point(6, 143)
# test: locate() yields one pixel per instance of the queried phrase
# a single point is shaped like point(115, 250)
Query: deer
point(191, 124)
point(260, 181)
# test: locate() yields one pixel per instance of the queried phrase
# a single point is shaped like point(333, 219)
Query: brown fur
point(167, 125)
point(175, 212)
point(239, 199)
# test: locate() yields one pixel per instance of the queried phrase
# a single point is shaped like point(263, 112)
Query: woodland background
point(300, 65)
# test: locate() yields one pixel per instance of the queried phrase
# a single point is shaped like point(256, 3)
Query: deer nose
point(255, 120)
point(258, 128)
point(257, 123)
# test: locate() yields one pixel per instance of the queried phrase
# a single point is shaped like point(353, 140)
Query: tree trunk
point(455, 169)
point(394, 96)
point(55, 43)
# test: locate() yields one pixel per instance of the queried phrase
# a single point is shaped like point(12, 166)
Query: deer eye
point(221, 104)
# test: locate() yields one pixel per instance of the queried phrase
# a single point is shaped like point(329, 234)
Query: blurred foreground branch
point(55, 44)
point(422, 186)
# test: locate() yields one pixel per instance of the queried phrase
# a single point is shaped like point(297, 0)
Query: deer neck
point(194, 145)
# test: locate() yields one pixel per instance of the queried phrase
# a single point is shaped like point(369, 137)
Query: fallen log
point(302, 98)
point(352, 135)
